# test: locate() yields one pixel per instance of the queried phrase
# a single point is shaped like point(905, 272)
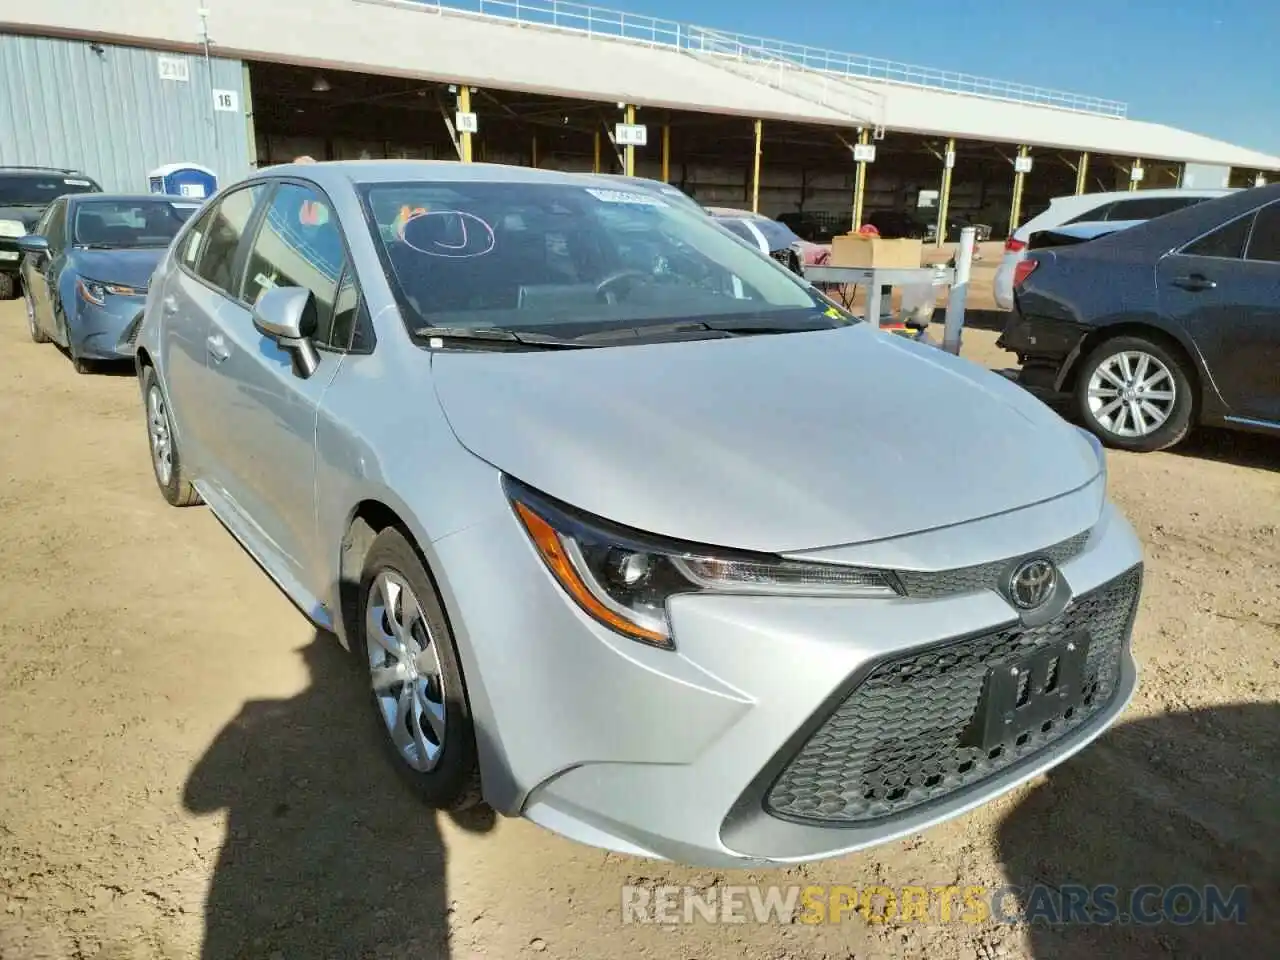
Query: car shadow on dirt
point(326, 853)
point(1188, 799)
point(1255, 450)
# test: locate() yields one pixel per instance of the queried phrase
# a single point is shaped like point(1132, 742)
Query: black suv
point(25, 193)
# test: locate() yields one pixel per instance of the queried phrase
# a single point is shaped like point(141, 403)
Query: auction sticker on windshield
point(623, 196)
point(77, 183)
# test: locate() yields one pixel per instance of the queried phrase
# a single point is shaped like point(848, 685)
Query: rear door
point(209, 263)
point(266, 443)
point(1224, 288)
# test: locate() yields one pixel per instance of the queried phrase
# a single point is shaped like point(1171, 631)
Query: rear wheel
point(165, 462)
point(419, 697)
point(1135, 394)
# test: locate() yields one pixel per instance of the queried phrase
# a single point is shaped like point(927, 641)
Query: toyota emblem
point(1033, 583)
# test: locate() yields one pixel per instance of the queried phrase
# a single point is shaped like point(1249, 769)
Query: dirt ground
point(187, 769)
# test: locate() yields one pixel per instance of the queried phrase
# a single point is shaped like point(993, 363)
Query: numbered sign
point(226, 100)
point(466, 122)
point(1021, 164)
point(173, 68)
point(864, 153)
point(631, 134)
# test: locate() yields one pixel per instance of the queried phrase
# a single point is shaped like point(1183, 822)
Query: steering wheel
point(604, 289)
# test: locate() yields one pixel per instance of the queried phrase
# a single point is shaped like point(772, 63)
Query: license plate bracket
point(1019, 696)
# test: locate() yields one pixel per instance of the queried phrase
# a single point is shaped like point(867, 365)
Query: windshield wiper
point(747, 327)
point(643, 332)
point(543, 341)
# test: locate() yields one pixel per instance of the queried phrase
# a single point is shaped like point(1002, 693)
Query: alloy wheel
point(404, 669)
point(160, 434)
point(1132, 393)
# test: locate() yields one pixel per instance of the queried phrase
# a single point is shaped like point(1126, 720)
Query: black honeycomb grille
point(982, 576)
point(897, 740)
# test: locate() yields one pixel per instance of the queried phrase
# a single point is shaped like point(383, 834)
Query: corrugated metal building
point(119, 112)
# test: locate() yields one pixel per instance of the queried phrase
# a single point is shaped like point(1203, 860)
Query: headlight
point(96, 292)
point(12, 228)
point(623, 578)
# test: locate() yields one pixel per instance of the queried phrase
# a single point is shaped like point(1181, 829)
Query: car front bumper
point(781, 729)
point(106, 332)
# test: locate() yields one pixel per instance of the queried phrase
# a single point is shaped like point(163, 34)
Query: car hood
point(772, 443)
point(129, 267)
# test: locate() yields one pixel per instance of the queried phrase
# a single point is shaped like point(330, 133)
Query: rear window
point(1148, 208)
point(24, 189)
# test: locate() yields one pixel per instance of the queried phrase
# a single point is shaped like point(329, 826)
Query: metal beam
point(533, 152)
point(629, 163)
point(1019, 178)
point(944, 198)
point(1082, 173)
point(595, 166)
point(464, 106)
point(755, 172)
point(860, 180)
point(666, 153)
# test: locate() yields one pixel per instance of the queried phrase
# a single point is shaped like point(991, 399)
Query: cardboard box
point(857, 250)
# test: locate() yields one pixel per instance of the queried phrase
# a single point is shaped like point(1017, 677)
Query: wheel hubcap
point(1132, 394)
point(161, 440)
point(31, 316)
point(404, 668)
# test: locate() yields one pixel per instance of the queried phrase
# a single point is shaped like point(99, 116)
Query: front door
point(266, 443)
point(37, 272)
point(1225, 290)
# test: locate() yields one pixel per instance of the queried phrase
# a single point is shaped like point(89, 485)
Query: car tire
point(394, 582)
point(174, 486)
point(81, 365)
point(33, 328)
point(1151, 408)
point(8, 286)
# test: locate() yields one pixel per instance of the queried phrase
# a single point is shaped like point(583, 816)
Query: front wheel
point(165, 462)
point(33, 328)
point(418, 693)
point(1135, 394)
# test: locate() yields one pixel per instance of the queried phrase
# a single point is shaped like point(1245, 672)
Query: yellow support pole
point(1015, 211)
point(860, 182)
point(1133, 184)
point(755, 173)
point(464, 106)
point(595, 166)
point(630, 171)
point(666, 153)
point(533, 151)
point(944, 199)
point(1082, 174)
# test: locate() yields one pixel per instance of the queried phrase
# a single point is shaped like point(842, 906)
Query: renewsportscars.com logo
point(1145, 905)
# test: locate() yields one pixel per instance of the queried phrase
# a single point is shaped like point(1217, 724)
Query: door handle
point(217, 348)
point(1195, 283)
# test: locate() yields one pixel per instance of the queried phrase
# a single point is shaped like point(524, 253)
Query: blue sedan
point(86, 268)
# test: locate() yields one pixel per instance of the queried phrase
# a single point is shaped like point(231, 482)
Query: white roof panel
point(411, 38)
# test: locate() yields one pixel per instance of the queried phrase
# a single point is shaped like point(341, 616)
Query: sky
point(1211, 68)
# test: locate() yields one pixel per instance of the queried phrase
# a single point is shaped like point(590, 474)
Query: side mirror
point(288, 316)
point(34, 244)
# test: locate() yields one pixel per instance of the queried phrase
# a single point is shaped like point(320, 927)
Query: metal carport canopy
point(411, 39)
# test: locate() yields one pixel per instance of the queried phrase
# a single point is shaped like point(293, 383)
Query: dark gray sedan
point(87, 265)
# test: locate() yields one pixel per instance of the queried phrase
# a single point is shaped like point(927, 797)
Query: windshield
point(568, 260)
point(129, 223)
point(25, 190)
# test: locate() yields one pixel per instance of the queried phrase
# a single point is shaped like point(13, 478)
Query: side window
point(299, 245)
point(1147, 208)
point(192, 238)
point(1227, 242)
point(1095, 214)
point(56, 226)
point(1264, 243)
point(225, 228)
point(347, 333)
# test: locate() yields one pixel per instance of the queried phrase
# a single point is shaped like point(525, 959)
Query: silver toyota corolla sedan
point(625, 520)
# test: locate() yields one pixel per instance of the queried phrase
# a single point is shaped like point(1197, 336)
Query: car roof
point(425, 171)
point(735, 213)
point(1160, 193)
point(21, 171)
point(1162, 234)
